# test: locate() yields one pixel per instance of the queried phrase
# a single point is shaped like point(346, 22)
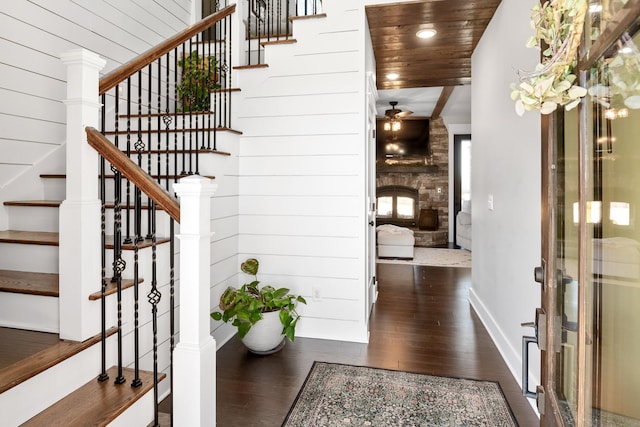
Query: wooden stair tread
point(173, 151)
point(298, 18)
point(276, 42)
point(250, 67)
point(146, 243)
point(112, 288)
point(30, 237)
point(34, 203)
point(163, 177)
point(52, 175)
point(25, 282)
point(144, 206)
point(51, 239)
point(95, 403)
point(64, 176)
point(134, 131)
point(16, 373)
point(226, 90)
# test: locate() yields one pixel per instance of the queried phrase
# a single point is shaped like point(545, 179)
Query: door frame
point(551, 131)
point(457, 179)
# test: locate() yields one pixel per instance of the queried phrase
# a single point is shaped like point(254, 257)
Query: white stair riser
point(30, 218)
point(144, 263)
point(31, 312)
point(208, 165)
point(31, 397)
point(138, 414)
point(22, 257)
point(162, 222)
point(182, 121)
point(54, 188)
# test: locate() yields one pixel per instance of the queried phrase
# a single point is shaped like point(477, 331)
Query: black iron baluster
point(167, 122)
point(118, 262)
point(288, 21)
point(118, 265)
point(175, 111)
point(214, 94)
point(202, 84)
point(139, 147)
point(251, 3)
point(103, 242)
point(127, 239)
point(116, 110)
point(228, 68)
point(154, 297)
point(259, 28)
point(172, 302)
point(184, 121)
point(166, 118)
point(191, 105)
point(158, 128)
point(137, 382)
point(149, 141)
point(279, 21)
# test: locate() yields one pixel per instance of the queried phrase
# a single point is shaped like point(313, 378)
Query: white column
point(194, 358)
point(80, 257)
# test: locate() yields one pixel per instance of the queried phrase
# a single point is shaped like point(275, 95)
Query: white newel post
point(80, 257)
point(194, 358)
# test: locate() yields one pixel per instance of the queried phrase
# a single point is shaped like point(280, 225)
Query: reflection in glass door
point(613, 288)
point(595, 365)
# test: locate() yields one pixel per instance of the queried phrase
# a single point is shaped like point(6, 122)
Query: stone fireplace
point(430, 183)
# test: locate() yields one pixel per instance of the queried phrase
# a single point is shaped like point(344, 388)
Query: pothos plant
point(200, 75)
point(558, 26)
point(244, 306)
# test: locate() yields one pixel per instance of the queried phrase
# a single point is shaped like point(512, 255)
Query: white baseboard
point(509, 354)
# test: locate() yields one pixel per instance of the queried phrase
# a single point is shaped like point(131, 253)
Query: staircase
point(55, 381)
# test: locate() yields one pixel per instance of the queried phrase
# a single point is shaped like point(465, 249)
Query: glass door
point(591, 242)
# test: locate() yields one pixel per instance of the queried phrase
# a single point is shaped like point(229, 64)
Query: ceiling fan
point(394, 117)
point(396, 113)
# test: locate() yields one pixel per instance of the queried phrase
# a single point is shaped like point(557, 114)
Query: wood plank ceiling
point(444, 60)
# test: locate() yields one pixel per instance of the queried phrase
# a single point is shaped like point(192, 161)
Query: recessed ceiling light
point(427, 33)
point(393, 76)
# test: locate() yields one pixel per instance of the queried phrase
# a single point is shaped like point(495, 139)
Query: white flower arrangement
point(558, 25)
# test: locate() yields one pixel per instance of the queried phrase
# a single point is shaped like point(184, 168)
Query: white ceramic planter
point(265, 336)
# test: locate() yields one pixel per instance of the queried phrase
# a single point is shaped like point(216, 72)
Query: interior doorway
point(461, 177)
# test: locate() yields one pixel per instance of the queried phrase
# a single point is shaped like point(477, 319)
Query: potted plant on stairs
point(264, 315)
point(200, 75)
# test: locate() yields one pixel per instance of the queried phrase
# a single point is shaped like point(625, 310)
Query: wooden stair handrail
point(110, 80)
point(133, 172)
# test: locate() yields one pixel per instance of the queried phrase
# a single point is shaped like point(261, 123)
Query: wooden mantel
point(407, 169)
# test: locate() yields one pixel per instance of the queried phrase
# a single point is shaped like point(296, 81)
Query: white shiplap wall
point(33, 33)
point(301, 185)
point(302, 170)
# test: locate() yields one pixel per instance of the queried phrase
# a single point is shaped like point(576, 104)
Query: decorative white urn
point(265, 337)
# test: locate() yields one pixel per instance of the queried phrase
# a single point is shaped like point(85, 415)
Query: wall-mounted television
point(411, 141)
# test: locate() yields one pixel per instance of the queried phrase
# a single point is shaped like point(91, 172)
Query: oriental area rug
point(336, 395)
point(438, 257)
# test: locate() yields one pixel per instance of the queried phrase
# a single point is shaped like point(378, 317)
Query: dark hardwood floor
point(422, 322)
